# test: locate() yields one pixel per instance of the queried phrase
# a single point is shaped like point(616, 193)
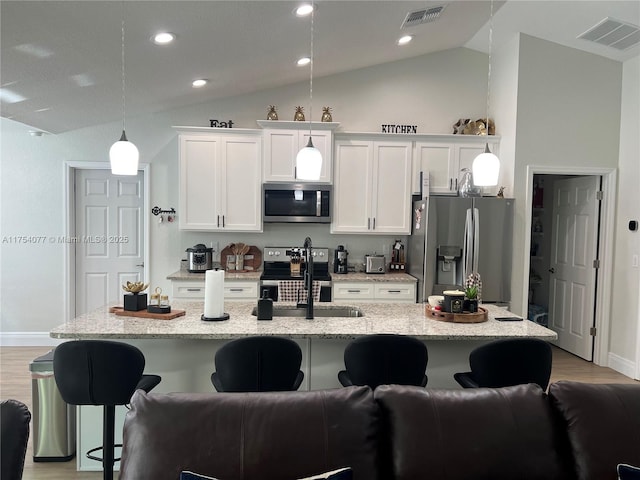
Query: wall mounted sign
point(399, 128)
point(216, 123)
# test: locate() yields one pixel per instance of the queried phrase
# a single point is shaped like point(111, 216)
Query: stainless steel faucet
point(308, 278)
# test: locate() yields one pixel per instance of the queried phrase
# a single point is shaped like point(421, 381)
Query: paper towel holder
point(225, 316)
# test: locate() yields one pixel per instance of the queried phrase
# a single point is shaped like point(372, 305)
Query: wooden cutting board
point(252, 259)
point(121, 312)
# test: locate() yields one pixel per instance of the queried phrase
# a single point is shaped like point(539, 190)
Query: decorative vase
point(467, 188)
point(271, 113)
point(299, 115)
point(326, 115)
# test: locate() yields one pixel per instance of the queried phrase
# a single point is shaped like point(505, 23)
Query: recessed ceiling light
point(199, 83)
point(304, 10)
point(304, 61)
point(163, 38)
point(404, 40)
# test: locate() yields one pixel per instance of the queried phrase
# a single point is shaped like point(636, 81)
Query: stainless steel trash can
point(53, 420)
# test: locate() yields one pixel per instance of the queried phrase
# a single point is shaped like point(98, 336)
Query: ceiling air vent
point(422, 16)
point(613, 33)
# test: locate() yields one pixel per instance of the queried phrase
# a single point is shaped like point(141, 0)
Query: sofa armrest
point(602, 423)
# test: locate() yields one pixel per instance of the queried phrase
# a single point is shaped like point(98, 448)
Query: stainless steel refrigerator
point(454, 236)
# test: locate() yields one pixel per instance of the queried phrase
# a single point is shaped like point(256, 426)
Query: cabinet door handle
point(369, 223)
point(353, 291)
point(236, 289)
point(450, 183)
point(393, 291)
point(194, 289)
point(223, 218)
point(218, 221)
point(456, 184)
point(374, 223)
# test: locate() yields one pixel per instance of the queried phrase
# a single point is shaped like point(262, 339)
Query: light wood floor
point(15, 382)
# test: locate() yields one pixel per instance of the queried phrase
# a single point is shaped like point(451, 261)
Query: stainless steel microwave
point(297, 203)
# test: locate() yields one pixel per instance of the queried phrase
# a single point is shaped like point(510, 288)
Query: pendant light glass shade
point(124, 157)
point(309, 162)
point(309, 158)
point(486, 169)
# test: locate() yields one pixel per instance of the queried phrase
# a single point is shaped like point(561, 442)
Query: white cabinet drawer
point(395, 292)
point(232, 290)
point(188, 289)
point(352, 291)
point(241, 291)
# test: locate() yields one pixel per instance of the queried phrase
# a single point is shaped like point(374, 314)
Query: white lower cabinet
point(372, 187)
point(233, 290)
point(399, 292)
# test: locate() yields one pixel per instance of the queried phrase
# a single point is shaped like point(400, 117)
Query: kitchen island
point(182, 350)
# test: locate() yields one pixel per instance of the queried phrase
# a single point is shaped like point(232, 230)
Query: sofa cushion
point(283, 435)
point(603, 425)
point(628, 472)
point(482, 433)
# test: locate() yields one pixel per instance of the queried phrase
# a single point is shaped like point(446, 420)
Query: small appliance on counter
point(340, 260)
point(200, 258)
point(397, 257)
point(374, 264)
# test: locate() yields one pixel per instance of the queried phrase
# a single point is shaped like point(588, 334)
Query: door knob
point(140, 265)
point(552, 270)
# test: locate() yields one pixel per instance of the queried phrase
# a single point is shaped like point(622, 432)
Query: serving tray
point(481, 316)
point(121, 312)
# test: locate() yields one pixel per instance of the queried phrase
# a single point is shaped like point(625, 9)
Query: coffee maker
point(340, 260)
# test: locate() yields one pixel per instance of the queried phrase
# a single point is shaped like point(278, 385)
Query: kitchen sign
point(216, 123)
point(389, 128)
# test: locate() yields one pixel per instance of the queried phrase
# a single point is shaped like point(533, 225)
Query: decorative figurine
point(326, 114)
point(458, 127)
point(500, 193)
point(299, 115)
point(271, 113)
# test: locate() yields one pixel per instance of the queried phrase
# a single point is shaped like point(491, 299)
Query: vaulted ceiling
point(60, 65)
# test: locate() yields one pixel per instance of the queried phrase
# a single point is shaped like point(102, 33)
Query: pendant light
point(486, 166)
point(123, 155)
point(309, 158)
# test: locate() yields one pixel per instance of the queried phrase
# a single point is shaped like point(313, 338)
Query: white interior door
point(109, 238)
point(573, 251)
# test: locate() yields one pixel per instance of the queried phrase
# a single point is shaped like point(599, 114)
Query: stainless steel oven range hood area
point(296, 203)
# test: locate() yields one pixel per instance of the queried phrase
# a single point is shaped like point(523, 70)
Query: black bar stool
point(508, 362)
point(384, 359)
point(258, 364)
point(96, 372)
point(14, 423)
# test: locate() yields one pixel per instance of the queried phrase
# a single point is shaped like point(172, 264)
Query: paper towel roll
point(214, 293)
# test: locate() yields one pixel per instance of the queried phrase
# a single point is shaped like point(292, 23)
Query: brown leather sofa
point(577, 431)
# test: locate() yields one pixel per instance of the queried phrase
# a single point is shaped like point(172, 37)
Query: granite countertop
point(185, 275)
point(373, 277)
point(404, 319)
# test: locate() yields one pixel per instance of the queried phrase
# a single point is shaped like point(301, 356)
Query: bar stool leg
point(108, 441)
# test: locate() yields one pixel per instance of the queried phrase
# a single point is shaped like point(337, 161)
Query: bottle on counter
point(265, 306)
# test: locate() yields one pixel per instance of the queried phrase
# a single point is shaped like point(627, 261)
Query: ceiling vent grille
point(613, 33)
point(425, 15)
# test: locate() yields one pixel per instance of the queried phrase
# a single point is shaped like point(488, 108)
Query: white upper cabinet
point(442, 159)
point(372, 187)
point(220, 180)
point(283, 141)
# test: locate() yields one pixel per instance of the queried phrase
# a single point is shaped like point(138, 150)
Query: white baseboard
point(622, 365)
point(28, 339)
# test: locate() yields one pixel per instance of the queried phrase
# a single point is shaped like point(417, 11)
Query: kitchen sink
point(318, 311)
